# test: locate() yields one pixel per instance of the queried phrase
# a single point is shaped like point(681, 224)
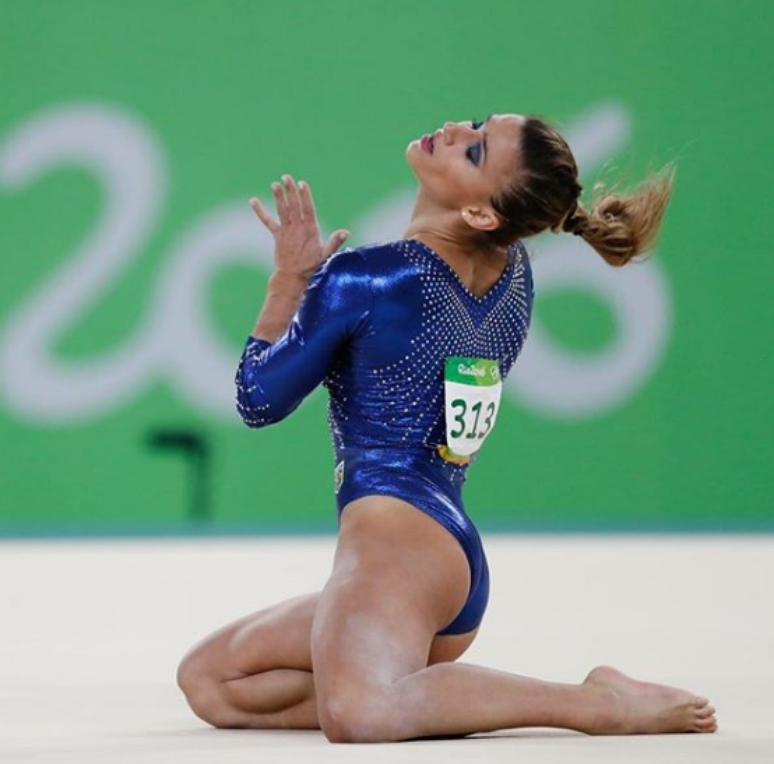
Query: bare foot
point(631, 707)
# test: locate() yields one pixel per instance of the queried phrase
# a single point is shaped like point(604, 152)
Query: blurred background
point(131, 266)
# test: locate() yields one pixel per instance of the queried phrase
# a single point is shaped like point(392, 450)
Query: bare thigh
point(399, 577)
point(257, 671)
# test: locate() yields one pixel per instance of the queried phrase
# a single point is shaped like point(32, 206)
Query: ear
point(481, 218)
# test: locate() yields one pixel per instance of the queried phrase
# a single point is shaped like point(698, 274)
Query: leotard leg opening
point(429, 485)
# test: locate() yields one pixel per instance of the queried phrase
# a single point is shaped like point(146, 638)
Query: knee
point(355, 717)
point(190, 673)
point(201, 690)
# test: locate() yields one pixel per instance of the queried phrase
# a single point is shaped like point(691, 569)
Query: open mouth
point(428, 143)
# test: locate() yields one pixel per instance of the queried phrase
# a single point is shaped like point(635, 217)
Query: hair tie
point(572, 224)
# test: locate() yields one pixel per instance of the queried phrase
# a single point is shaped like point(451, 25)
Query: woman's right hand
point(298, 247)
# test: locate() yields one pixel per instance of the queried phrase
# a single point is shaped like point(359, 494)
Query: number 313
point(459, 418)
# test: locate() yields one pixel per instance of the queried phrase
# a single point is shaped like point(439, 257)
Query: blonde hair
point(545, 194)
point(622, 226)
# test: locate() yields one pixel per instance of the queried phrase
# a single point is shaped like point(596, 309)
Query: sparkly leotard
point(374, 327)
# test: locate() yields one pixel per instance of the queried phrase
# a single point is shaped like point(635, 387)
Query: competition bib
point(472, 389)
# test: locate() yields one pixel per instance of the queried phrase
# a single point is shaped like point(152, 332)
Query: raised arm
point(298, 252)
point(314, 302)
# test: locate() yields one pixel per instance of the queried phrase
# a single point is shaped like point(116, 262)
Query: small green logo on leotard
point(338, 475)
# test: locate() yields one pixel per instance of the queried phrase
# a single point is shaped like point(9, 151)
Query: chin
point(411, 154)
point(413, 147)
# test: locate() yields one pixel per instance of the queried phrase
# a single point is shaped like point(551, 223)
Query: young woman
point(412, 339)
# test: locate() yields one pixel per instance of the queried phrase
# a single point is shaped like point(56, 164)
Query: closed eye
point(474, 152)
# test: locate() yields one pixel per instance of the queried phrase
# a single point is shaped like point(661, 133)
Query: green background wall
point(131, 268)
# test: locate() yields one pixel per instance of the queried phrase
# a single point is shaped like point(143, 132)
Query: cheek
point(439, 184)
point(456, 180)
point(444, 178)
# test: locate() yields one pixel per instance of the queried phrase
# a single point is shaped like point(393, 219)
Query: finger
point(279, 201)
point(307, 204)
point(264, 215)
point(293, 198)
point(334, 242)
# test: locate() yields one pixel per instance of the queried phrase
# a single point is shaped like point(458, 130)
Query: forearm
point(284, 293)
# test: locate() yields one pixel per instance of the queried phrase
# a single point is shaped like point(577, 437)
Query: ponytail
point(622, 226)
point(545, 190)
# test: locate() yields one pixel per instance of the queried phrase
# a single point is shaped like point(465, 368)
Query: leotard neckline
point(493, 290)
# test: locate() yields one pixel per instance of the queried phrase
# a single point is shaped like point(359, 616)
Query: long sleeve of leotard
point(273, 378)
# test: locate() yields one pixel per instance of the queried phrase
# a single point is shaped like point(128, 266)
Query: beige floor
point(91, 632)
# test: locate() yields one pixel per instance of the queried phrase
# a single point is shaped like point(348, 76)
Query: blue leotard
point(375, 326)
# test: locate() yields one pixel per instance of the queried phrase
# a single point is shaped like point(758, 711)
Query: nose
point(452, 129)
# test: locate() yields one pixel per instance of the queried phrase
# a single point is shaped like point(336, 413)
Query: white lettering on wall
point(176, 339)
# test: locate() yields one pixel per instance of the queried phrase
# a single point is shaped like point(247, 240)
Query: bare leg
point(257, 671)
point(397, 577)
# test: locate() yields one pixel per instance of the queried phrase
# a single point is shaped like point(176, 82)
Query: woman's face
point(465, 164)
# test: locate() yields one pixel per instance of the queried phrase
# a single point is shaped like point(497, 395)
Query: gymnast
point(412, 340)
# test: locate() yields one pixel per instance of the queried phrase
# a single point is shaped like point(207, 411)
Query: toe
point(705, 711)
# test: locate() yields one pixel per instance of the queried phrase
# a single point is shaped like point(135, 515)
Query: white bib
point(472, 389)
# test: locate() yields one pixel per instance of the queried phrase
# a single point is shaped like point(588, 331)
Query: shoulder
point(382, 254)
point(341, 283)
point(520, 253)
point(362, 257)
point(344, 261)
point(374, 262)
point(523, 262)
point(346, 269)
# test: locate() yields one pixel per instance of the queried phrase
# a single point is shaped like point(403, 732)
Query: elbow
point(252, 404)
point(254, 421)
point(257, 410)
point(256, 414)
point(259, 407)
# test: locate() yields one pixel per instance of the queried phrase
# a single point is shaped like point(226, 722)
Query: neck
point(444, 231)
